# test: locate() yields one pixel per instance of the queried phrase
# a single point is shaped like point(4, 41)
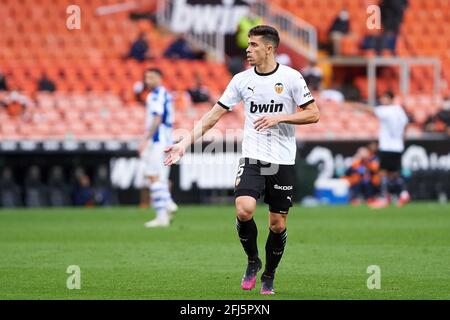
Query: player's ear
point(269, 47)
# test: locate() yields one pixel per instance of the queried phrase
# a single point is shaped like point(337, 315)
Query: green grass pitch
point(199, 257)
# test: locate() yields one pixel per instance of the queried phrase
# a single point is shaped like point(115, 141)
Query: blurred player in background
point(159, 122)
point(393, 121)
point(276, 97)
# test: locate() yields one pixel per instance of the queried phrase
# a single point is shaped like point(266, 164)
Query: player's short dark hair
point(268, 33)
point(389, 94)
point(155, 70)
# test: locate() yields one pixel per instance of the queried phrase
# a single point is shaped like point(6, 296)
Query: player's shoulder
point(240, 79)
point(389, 107)
point(160, 91)
point(243, 74)
point(387, 110)
point(165, 92)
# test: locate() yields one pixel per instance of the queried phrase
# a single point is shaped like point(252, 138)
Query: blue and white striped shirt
point(159, 102)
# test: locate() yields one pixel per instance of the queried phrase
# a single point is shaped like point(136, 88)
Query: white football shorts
point(153, 161)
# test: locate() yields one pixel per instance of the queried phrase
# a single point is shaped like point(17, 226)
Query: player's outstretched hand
point(265, 122)
point(174, 154)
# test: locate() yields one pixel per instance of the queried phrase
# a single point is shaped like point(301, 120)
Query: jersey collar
point(268, 73)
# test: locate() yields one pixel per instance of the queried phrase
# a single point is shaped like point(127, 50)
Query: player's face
point(257, 50)
point(385, 100)
point(152, 79)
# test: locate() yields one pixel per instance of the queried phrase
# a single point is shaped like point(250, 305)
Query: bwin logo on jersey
point(269, 107)
point(279, 88)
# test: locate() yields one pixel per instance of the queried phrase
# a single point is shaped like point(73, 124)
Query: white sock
point(159, 198)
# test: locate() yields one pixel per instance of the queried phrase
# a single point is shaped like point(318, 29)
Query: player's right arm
point(363, 107)
point(176, 151)
point(230, 98)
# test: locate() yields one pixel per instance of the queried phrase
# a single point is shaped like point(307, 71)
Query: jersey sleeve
point(231, 95)
point(155, 104)
point(404, 117)
point(380, 111)
point(300, 92)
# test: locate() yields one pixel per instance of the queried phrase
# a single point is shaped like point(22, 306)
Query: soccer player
point(275, 98)
point(393, 121)
point(159, 120)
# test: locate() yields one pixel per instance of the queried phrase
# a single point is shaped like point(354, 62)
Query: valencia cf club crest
point(279, 88)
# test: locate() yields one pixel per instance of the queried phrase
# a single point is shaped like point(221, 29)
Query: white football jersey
point(281, 91)
point(159, 102)
point(393, 121)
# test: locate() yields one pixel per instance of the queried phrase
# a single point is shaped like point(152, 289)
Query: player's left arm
point(309, 114)
point(155, 106)
point(157, 119)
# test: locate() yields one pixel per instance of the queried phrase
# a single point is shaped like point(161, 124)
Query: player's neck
point(267, 66)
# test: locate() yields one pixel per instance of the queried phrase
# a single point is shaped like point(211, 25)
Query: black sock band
point(248, 232)
point(274, 250)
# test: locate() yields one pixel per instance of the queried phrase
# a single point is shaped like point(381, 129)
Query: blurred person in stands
point(393, 122)
point(350, 91)
point(3, 83)
point(45, 84)
point(181, 49)
point(332, 95)
point(17, 104)
point(339, 28)
point(159, 123)
point(284, 59)
point(373, 150)
point(59, 189)
point(363, 177)
point(102, 187)
point(374, 166)
point(10, 191)
point(83, 193)
point(236, 55)
point(139, 49)
point(392, 12)
point(36, 192)
point(235, 65)
point(246, 23)
point(313, 75)
point(199, 93)
point(440, 121)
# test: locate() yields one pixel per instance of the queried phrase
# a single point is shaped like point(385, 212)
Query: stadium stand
point(94, 97)
point(420, 35)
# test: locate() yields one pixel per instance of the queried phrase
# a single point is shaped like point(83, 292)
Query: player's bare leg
point(248, 232)
point(159, 198)
point(276, 241)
